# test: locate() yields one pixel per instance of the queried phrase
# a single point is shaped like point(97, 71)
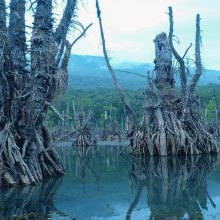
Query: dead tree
point(175, 186)
point(28, 87)
point(84, 135)
point(128, 109)
point(171, 123)
point(110, 129)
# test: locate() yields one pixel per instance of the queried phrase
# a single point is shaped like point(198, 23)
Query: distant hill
point(90, 72)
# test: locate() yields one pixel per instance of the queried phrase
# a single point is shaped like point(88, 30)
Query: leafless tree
point(27, 88)
point(171, 123)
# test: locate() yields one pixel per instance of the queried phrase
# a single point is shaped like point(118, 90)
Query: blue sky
point(130, 27)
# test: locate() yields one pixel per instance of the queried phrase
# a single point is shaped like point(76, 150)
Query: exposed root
point(27, 165)
point(85, 137)
point(166, 129)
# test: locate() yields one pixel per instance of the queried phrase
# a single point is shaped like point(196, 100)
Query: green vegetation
point(91, 73)
point(101, 100)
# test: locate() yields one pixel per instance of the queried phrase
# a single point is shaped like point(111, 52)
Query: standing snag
point(27, 88)
point(171, 123)
point(84, 135)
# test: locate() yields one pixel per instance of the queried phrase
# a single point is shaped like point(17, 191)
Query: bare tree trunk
point(17, 36)
point(182, 69)
point(171, 123)
point(26, 148)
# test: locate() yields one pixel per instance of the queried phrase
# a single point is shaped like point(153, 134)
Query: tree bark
point(17, 36)
point(26, 148)
point(171, 123)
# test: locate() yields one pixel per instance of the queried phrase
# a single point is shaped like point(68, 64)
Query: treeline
point(107, 100)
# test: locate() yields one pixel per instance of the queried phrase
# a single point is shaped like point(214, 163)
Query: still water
point(102, 185)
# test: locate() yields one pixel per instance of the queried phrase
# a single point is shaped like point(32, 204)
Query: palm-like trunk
point(26, 148)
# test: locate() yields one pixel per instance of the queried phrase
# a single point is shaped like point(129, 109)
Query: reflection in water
point(85, 163)
point(31, 202)
point(176, 186)
point(171, 188)
point(83, 160)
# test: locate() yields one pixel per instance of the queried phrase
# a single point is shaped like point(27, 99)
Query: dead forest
point(34, 73)
point(171, 123)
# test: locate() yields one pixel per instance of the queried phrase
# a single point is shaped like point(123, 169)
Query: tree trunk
point(26, 148)
point(84, 135)
point(172, 123)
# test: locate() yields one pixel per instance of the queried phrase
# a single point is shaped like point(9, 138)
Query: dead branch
point(183, 75)
point(63, 27)
point(55, 111)
point(198, 71)
point(115, 81)
point(81, 35)
point(124, 71)
point(187, 51)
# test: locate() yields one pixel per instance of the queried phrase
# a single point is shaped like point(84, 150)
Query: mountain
point(90, 72)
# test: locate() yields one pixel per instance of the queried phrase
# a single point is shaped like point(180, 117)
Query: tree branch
point(63, 28)
point(54, 110)
point(82, 34)
point(65, 22)
point(111, 71)
point(183, 75)
point(187, 50)
point(198, 71)
point(124, 71)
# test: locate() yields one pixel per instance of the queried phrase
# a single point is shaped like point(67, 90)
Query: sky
point(130, 27)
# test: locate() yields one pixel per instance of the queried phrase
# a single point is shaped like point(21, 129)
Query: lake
point(100, 184)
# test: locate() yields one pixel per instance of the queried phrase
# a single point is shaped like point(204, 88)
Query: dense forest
point(101, 100)
point(90, 73)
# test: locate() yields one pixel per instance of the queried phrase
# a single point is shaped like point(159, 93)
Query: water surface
point(102, 185)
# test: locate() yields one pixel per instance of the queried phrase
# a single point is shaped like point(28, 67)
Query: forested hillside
point(90, 72)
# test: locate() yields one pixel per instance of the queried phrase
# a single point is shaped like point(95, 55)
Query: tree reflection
point(31, 202)
point(176, 186)
point(85, 163)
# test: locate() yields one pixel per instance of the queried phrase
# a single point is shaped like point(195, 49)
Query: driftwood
point(175, 186)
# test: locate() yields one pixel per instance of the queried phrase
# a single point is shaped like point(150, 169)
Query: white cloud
point(130, 27)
